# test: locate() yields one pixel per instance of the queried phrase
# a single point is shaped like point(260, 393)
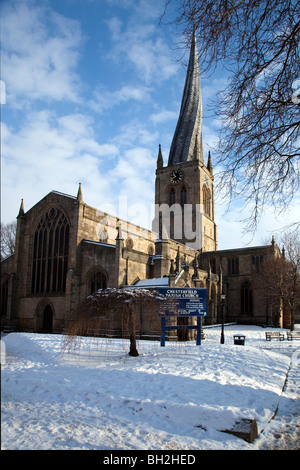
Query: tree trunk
point(292, 312)
point(133, 351)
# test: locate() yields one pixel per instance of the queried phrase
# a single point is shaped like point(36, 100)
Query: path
point(283, 432)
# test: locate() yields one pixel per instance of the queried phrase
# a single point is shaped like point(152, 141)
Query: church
point(66, 250)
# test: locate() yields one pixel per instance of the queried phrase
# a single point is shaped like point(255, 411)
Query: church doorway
point(47, 320)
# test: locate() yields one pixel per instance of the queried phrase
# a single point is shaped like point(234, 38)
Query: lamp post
point(222, 341)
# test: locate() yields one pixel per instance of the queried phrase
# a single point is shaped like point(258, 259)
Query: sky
point(89, 89)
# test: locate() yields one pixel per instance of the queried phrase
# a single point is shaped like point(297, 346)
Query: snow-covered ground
point(175, 398)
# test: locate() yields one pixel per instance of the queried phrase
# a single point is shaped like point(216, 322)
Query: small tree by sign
point(123, 305)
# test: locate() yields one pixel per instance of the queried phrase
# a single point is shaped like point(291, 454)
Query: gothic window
point(4, 296)
point(97, 281)
point(150, 250)
point(172, 197)
point(50, 253)
point(233, 266)
point(246, 299)
point(129, 243)
point(172, 225)
point(257, 262)
point(206, 201)
point(103, 236)
point(212, 263)
point(183, 196)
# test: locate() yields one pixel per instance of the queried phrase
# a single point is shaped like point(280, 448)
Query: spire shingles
point(188, 134)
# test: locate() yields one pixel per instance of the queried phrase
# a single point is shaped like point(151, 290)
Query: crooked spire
point(188, 134)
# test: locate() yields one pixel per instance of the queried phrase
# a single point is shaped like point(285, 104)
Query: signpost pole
point(163, 332)
point(198, 339)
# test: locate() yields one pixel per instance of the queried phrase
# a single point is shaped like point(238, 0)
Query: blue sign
point(190, 301)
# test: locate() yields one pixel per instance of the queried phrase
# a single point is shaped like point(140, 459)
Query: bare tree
point(257, 42)
point(280, 278)
point(8, 239)
point(291, 243)
point(106, 308)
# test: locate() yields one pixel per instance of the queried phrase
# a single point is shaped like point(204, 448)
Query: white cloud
point(142, 9)
point(52, 153)
point(104, 99)
point(135, 133)
point(39, 53)
point(57, 149)
point(134, 177)
point(141, 44)
point(56, 153)
point(163, 116)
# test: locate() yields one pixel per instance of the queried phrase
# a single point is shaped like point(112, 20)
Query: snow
point(150, 283)
point(93, 395)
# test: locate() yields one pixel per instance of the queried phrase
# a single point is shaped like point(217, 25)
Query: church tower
point(184, 189)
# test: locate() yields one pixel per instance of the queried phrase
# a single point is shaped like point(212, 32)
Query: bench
point(274, 335)
point(290, 335)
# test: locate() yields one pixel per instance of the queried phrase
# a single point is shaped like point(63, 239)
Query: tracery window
point(172, 197)
point(183, 196)
point(206, 201)
point(98, 281)
point(246, 299)
point(233, 266)
point(257, 262)
point(50, 253)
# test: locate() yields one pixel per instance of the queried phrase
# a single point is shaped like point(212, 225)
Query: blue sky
point(92, 87)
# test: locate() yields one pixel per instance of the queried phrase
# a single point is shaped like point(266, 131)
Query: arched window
point(246, 299)
point(98, 281)
point(233, 266)
point(183, 196)
point(103, 236)
point(50, 253)
point(172, 197)
point(4, 295)
point(206, 201)
point(257, 262)
point(129, 243)
point(150, 250)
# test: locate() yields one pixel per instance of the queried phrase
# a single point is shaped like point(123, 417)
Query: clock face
point(176, 176)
